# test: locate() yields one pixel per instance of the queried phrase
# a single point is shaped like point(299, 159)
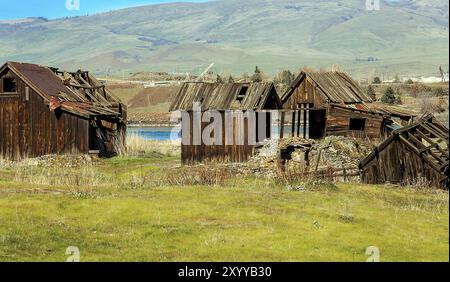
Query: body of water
point(155, 133)
point(167, 133)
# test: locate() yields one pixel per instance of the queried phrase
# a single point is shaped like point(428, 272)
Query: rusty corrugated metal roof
point(78, 92)
point(42, 78)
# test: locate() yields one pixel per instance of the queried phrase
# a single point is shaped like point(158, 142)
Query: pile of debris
point(339, 151)
point(334, 153)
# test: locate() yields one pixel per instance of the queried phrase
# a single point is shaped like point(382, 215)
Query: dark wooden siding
point(397, 164)
point(191, 154)
point(306, 93)
point(337, 119)
point(29, 129)
point(338, 123)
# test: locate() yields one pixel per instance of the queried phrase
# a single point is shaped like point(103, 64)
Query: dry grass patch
point(138, 146)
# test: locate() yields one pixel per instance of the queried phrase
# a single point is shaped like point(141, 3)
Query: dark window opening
point(317, 123)
point(94, 140)
point(242, 93)
point(271, 103)
point(9, 85)
point(357, 124)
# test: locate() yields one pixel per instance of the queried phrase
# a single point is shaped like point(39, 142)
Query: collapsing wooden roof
point(340, 90)
point(428, 139)
point(338, 87)
point(393, 110)
point(227, 96)
point(78, 92)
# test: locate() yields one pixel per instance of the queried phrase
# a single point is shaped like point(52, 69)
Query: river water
point(173, 133)
point(155, 133)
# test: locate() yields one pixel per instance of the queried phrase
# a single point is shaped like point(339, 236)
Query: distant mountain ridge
point(405, 37)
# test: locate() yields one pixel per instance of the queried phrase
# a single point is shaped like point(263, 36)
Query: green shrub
point(376, 80)
point(389, 96)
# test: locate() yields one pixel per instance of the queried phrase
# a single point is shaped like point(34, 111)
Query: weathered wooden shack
point(225, 98)
point(414, 154)
point(332, 103)
point(47, 111)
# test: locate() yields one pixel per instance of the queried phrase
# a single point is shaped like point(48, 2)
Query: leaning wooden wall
point(397, 164)
point(29, 129)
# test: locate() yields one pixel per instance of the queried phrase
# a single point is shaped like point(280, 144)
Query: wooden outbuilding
point(47, 111)
point(417, 153)
point(332, 103)
point(225, 98)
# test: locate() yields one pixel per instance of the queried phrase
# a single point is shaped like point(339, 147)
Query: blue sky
point(57, 8)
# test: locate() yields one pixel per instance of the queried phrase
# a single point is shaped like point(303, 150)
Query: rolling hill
point(403, 37)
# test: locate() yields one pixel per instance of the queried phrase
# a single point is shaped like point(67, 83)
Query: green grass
point(245, 219)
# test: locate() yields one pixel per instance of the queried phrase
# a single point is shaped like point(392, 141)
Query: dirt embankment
point(154, 96)
point(146, 106)
point(149, 119)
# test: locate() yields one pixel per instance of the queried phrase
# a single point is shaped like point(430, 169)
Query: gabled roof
point(427, 138)
point(338, 87)
point(226, 96)
point(78, 93)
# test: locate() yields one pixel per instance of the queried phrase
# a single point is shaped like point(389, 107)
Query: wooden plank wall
point(338, 122)
point(295, 123)
point(191, 154)
point(398, 165)
point(306, 93)
point(29, 129)
point(9, 133)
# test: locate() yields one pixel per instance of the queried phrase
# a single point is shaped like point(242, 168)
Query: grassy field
point(152, 209)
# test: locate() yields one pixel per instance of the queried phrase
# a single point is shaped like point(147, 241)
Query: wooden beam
point(429, 128)
point(293, 124)
point(424, 148)
point(305, 121)
point(417, 152)
point(422, 135)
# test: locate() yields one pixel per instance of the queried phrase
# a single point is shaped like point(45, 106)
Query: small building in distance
point(223, 98)
point(414, 154)
point(47, 111)
point(332, 103)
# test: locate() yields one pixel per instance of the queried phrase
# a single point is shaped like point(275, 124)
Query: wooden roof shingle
point(338, 87)
point(226, 96)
